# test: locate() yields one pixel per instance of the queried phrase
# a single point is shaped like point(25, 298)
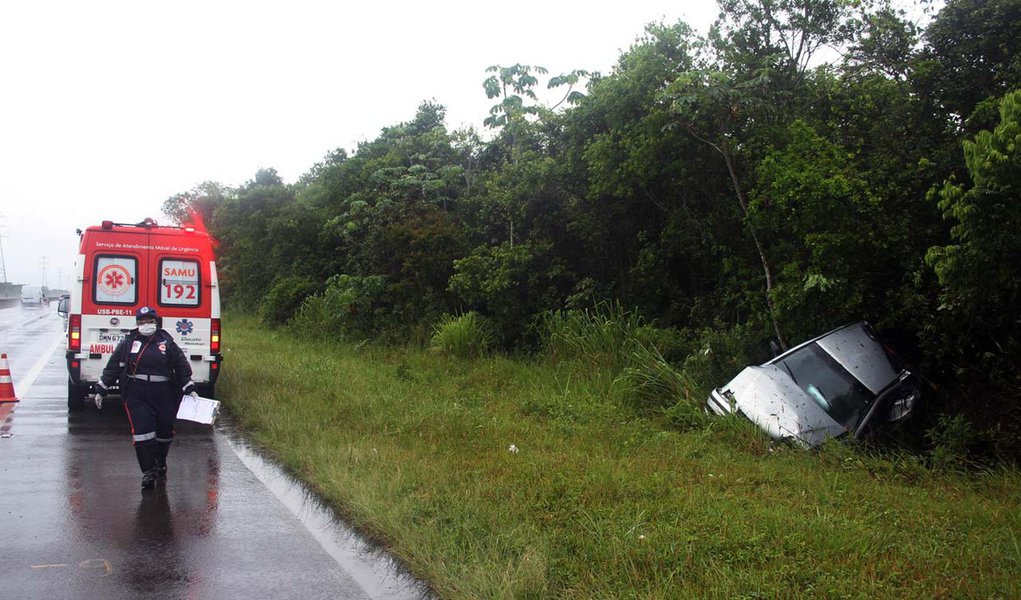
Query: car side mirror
point(62, 308)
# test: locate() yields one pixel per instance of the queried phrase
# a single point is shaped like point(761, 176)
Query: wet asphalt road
point(227, 524)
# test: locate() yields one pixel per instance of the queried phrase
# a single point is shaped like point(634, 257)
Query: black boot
point(145, 452)
point(161, 458)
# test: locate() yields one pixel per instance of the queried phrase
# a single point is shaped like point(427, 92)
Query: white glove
point(193, 394)
point(99, 401)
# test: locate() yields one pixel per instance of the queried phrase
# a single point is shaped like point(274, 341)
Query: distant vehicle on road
point(32, 296)
point(842, 382)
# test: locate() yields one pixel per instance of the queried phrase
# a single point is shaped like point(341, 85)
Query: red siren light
point(197, 223)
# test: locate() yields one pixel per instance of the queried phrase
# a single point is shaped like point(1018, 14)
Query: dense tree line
point(805, 164)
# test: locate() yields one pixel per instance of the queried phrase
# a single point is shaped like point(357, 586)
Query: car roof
point(855, 348)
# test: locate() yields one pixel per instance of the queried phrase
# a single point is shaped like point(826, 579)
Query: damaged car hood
point(768, 397)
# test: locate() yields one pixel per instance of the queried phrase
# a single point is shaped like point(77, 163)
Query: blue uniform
point(153, 374)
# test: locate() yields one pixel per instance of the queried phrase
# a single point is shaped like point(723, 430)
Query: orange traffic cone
point(6, 383)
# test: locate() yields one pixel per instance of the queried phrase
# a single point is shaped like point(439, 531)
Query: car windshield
point(835, 390)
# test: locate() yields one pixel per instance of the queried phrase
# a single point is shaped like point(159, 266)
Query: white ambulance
point(121, 267)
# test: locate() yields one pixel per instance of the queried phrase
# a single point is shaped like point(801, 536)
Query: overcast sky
point(109, 107)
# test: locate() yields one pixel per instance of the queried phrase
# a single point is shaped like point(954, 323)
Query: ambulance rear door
point(114, 285)
point(182, 262)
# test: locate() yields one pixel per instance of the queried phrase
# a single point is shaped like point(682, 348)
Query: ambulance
point(121, 267)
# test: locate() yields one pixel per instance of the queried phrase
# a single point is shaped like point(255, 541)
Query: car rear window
point(116, 280)
point(179, 282)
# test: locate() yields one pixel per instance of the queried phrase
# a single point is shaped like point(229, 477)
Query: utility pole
point(3, 265)
point(43, 264)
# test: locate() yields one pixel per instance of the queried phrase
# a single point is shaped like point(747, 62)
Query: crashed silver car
point(842, 382)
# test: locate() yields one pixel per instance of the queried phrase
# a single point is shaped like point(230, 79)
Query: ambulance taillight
point(214, 336)
point(74, 333)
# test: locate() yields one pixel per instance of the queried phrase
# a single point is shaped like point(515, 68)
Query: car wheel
point(75, 398)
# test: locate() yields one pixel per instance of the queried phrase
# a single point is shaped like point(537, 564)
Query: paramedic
point(153, 373)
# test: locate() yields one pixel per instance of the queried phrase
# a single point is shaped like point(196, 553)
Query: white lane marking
point(25, 384)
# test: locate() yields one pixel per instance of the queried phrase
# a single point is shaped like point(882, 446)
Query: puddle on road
point(380, 575)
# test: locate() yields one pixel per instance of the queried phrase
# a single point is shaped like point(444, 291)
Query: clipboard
point(198, 409)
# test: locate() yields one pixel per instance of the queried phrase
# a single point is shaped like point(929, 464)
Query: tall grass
point(620, 342)
point(464, 336)
point(649, 382)
point(597, 499)
point(603, 336)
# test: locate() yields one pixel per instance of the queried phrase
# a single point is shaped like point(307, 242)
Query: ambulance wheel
point(206, 390)
point(75, 398)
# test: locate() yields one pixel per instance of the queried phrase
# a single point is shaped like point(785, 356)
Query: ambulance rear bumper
point(74, 369)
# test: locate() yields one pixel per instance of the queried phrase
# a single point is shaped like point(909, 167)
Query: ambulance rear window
point(179, 282)
point(115, 281)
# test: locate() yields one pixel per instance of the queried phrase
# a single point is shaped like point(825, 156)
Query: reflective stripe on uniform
point(152, 379)
point(145, 436)
point(185, 386)
point(101, 384)
point(165, 440)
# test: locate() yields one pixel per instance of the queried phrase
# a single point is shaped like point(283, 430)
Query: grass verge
point(496, 478)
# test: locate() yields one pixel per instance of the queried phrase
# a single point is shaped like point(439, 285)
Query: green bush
point(464, 336)
point(351, 308)
point(284, 299)
point(951, 438)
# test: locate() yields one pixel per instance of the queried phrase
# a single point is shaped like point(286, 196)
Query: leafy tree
point(717, 107)
point(780, 36)
point(979, 271)
point(511, 85)
point(973, 58)
point(640, 195)
point(886, 44)
point(570, 79)
point(746, 86)
point(509, 284)
point(820, 215)
point(196, 206)
point(242, 225)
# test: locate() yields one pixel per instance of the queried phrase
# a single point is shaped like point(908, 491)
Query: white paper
point(198, 409)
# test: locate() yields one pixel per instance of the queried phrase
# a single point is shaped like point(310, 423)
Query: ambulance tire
point(75, 398)
point(206, 390)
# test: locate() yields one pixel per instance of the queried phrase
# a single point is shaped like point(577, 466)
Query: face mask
point(147, 329)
